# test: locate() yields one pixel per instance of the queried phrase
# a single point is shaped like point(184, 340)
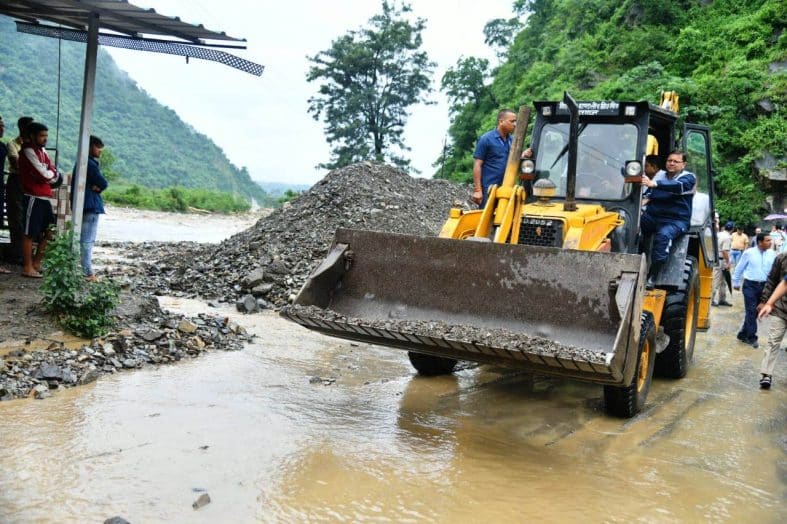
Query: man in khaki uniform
point(724, 238)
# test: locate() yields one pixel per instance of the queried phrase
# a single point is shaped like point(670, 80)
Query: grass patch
point(176, 199)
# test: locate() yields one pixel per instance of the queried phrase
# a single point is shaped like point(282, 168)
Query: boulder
point(254, 278)
point(187, 326)
point(48, 372)
point(247, 304)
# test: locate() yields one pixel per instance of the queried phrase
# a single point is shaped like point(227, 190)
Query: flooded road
point(301, 427)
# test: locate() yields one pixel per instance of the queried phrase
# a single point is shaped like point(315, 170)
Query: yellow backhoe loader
point(550, 276)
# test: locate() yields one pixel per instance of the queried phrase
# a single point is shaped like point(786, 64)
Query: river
point(301, 427)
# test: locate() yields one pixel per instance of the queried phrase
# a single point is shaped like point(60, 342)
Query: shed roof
point(115, 15)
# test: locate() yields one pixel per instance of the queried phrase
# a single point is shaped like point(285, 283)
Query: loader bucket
point(549, 310)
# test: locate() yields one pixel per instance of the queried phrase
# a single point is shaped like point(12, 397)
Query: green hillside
point(726, 58)
point(152, 146)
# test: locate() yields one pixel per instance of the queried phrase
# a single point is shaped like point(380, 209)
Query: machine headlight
point(527, 167)
point(633, 168)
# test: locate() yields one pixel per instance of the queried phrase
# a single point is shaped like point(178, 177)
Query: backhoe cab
point(549, 276)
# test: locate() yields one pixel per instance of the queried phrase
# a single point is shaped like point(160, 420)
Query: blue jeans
point(665, 232)
point(751, 298)
point(735, 255)
point(86, 240)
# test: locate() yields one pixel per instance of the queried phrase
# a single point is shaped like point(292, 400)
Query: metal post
point(570, 204)
point(88, 90)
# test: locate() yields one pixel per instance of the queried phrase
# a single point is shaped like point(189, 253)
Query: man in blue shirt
point(3, 152)
point(668, 214)
point(753, 268)
point(95, 183)
point(491, 156)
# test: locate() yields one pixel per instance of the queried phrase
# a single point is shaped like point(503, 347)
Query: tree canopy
point(368, 79)
point(150, 144)
point(726, 59)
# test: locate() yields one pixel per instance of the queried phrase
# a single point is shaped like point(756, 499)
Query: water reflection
point(383, 445)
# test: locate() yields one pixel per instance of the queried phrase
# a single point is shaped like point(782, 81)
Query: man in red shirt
point(37, 175)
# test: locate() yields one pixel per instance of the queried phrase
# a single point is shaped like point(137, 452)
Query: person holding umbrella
point(721, 273)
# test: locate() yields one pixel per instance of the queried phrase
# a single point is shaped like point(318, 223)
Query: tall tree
point(368, 80)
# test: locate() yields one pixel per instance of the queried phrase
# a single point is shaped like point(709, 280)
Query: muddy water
point(382, 445)
point(138, 225)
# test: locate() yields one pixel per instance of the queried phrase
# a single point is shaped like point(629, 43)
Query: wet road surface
point(370, 441)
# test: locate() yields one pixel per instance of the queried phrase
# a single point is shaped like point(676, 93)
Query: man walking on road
point(740, 242)
point(719, 282)
point(753, 269)
point(778, 323)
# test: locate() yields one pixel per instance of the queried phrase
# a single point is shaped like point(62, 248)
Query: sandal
point(34, 274)
point(4, 271)
point(765, 382)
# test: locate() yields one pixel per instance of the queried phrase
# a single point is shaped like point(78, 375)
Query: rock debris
point(271, 260)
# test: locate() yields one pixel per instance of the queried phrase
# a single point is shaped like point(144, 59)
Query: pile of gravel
point(151, 337)
point(272, 259)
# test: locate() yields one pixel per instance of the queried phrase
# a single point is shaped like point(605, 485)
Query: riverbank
point(125, 224)
point(37, 355)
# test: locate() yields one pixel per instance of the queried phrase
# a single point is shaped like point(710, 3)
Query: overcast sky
point(261, 122)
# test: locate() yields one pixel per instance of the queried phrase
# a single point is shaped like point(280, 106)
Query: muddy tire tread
point(674, 361)
point(430, 365)
point(626, 401)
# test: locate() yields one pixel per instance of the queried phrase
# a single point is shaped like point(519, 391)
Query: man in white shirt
point(724, 238)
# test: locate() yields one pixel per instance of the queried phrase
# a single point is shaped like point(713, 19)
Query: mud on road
point(299, 426)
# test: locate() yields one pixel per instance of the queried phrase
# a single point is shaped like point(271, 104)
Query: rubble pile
point(271, 260)
point(152, 336)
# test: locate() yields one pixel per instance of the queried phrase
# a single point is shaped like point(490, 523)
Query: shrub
point(81, 307)
point(178, 199)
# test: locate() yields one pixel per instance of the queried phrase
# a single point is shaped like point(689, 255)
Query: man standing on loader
point(668, 214)
point(491, 156)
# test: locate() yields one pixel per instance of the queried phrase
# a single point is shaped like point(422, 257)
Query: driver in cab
point(668, 214)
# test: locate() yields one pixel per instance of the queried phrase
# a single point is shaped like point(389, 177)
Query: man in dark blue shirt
point(95, 183)
point(491, 156)
point(668, 214)
point(3, 152)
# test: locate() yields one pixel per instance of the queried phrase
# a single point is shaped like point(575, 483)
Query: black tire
point(680, 324)
point(627, 401)
point(429, 365)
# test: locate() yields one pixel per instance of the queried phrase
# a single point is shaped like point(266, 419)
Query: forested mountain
point(152, 146)
point(726, 58)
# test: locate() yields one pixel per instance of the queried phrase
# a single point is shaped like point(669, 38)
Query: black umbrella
point(728, 278)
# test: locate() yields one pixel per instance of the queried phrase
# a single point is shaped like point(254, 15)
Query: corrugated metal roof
point(114, 15)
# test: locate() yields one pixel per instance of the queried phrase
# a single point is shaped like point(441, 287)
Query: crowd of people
point(27, 194)
point(756, 267)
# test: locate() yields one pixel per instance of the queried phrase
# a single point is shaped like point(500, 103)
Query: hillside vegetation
point(726, 58)
point(151, 145)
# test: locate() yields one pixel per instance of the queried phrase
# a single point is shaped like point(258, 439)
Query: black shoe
point(714, 304)
point(754, 344)
point(724, 303)
point(765, 382)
